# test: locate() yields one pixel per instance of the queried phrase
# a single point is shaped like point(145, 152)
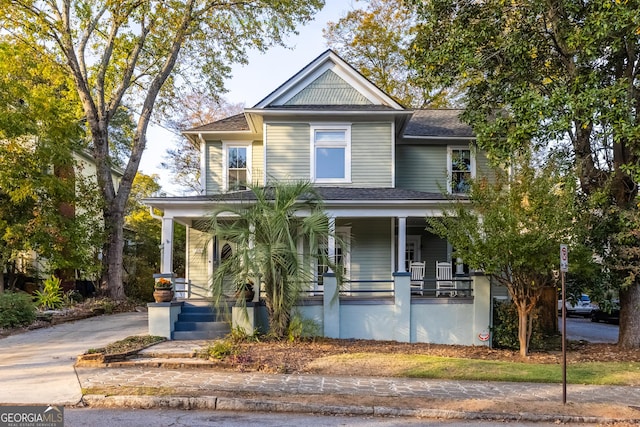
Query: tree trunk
point(113, 275)
point(548, 310)
point(523, 330)
point(629, 335)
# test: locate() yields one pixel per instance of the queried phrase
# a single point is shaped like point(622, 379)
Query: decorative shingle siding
point(371, 155)
point(213, 160)
point(421, 168)
point(328, 89)
point(288, 151)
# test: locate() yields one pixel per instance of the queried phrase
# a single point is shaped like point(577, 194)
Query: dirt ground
point(303, 357)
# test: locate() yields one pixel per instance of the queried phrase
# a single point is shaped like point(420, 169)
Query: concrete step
point(202, 326)
point(172, 363)
point(199, 317)
point(200, 335)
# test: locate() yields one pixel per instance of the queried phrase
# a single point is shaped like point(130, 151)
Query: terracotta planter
point(163, 295)
point(246, 294)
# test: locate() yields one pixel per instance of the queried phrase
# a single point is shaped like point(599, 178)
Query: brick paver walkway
point(372, 386)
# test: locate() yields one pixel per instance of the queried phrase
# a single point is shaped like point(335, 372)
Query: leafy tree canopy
point(136, 53)
point(375, 39)
point(512, 229)
point(563, 76)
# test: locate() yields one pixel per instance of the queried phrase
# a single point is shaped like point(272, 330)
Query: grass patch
point(128, 344)
point(130, 391)
point(436, 367)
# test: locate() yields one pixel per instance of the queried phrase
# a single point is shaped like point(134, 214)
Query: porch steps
point(200, 321)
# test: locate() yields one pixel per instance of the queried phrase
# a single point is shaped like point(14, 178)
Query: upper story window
point(331, 153)
point(237, 165)
point(461, 167)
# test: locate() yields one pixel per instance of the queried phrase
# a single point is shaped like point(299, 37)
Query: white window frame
point(346, 127)
point(472, 157)
point(226, 145)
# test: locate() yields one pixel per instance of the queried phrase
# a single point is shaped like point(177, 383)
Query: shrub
point(16, 309)
point(221, 349)
point(505, 327)
point(51, 296)
point(300, 327)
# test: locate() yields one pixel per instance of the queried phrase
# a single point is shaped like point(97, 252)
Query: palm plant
point(266, 233)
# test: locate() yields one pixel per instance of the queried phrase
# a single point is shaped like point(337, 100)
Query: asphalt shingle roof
point(432, 122)
point(329, 194)
point(232, 123)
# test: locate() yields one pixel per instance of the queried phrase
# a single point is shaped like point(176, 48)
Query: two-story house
point(381, 169)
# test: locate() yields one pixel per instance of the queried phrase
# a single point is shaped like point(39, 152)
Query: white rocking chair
point(417, 277)
point(444, 280)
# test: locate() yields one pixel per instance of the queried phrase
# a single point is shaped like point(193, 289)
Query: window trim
point(346, 127)
point(226, 145)
point(472, 158)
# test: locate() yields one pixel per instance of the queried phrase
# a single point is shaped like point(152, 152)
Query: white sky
point(249, 84)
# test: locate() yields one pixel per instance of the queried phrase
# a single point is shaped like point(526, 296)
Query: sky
point(252, 82)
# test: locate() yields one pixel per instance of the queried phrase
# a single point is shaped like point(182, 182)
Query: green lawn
point(421, 366)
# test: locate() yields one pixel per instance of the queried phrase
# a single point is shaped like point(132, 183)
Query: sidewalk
point(193, 386)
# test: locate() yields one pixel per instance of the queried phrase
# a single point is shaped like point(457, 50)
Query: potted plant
point(163, 290)
point(245, 290)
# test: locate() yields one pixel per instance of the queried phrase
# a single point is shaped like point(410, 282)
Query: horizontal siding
point(421, 168)
point(288, 151)
point(483, 169)
point(434, 249)
point(198, 259)
point(371, 155)
point(257, 163)
point(371, 252)
point(213, 161)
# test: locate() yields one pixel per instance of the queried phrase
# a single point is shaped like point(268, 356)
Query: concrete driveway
point(36, 367)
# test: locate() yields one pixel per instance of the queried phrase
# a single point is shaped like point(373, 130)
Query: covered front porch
point(382, 235)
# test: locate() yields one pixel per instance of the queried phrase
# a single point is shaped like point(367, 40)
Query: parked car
point(610, 314)
point(582, 307)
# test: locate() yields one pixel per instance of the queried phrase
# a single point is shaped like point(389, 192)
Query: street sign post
point(564, 267)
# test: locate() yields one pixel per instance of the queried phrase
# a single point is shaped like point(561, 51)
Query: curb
point(253, 405)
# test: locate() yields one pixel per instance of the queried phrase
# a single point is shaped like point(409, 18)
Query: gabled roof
point(437, 123)
point(327, 75)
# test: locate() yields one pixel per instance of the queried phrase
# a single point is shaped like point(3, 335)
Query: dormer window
point(461, 169)
point(237, 165)
point(331, 153)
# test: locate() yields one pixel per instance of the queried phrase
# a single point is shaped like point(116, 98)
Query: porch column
point(166, 263)
point(331, 242)
point(402, 243)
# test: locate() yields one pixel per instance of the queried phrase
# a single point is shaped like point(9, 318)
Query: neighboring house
point(30, 263)
point(381, 170)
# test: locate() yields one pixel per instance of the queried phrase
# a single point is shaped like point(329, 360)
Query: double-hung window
point(237, 166)
point(331, 153)
point(461, 169)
